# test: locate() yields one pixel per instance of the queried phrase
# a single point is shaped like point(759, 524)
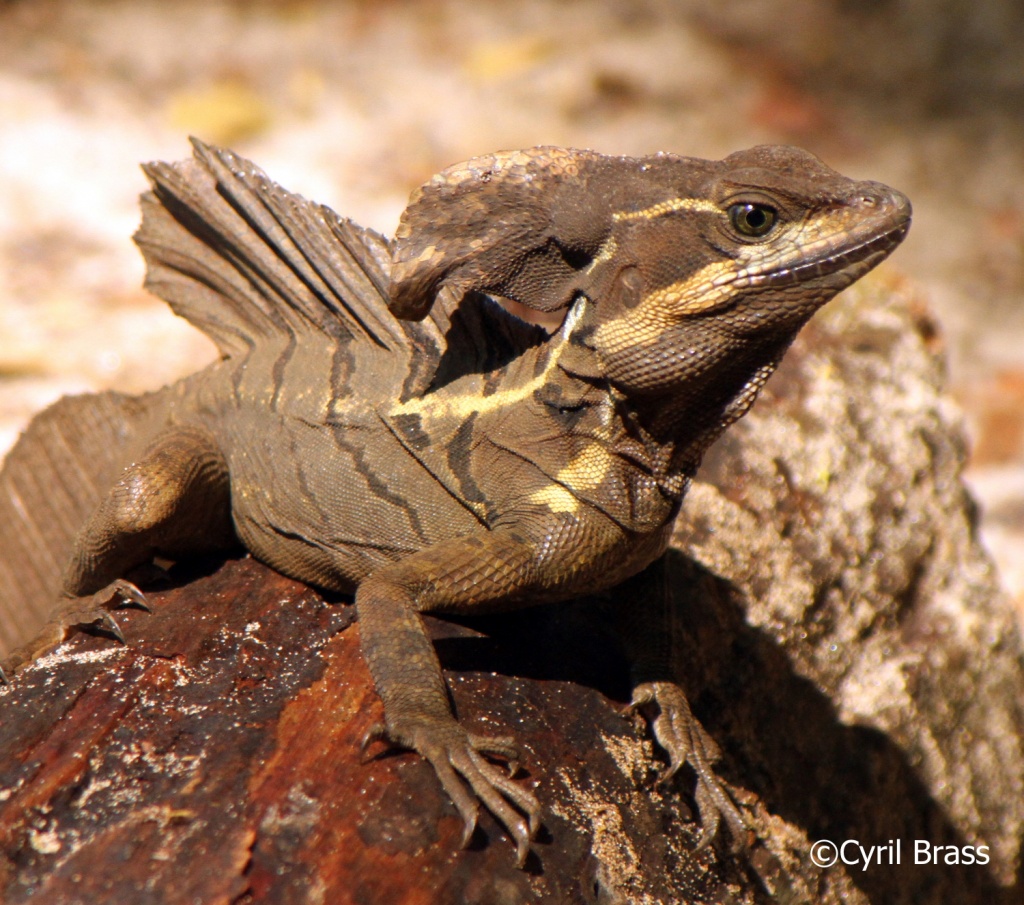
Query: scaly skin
point(466, 461)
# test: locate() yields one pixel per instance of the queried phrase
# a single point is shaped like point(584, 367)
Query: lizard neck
point(676, 422)
point(533, 374)
point(686, 423)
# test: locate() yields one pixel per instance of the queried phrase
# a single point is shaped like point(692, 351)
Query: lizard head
point(686, 278)
point(729, 262)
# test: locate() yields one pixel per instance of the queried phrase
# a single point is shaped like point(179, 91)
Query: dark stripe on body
point(404, 441)
point(279, 371)
point(309, 498)
point(376, 484)
point(342, 366)
point(460, 461)
point(239, 368)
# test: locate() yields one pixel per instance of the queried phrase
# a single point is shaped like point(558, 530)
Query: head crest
point(486, 225)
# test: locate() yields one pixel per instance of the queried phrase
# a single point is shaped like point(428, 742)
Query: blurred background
point(356, 103)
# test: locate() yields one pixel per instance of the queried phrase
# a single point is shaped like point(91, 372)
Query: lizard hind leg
point(174, 500)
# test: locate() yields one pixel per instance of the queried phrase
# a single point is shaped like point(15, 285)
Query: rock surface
point(841, 635)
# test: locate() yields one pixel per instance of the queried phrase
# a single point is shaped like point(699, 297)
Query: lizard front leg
point(501, 568)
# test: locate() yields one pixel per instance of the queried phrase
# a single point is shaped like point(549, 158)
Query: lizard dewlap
point(378, 424)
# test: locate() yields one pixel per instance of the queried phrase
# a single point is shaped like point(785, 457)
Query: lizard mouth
point(853, 253)
point(853, 261)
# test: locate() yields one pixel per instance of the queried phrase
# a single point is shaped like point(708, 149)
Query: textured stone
point(840, 634)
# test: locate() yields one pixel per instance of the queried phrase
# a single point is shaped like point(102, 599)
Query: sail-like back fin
point(243, 259)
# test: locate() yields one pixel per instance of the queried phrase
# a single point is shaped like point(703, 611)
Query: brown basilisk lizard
point(452, 458)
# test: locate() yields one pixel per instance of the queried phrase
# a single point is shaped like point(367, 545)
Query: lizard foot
point(457, 757)
point(74, 611)
point(680, 733)
point(95, 608)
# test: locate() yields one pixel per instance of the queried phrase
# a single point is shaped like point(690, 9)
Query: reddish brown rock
point(841, 635)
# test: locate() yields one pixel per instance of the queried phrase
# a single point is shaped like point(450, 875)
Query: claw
point(534, 819)
point(468, 829)
point(683, 738)
point(376, 733)
point(130, 595)
point(459, 762)
point(140, 603)
point(522, 851)
point(110, 624)
point(710, 815)
point(72, 613)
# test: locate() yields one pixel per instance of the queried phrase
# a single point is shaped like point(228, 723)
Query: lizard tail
point(52, 480)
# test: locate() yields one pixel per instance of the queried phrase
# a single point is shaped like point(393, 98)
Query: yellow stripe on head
point(704, 290)
point(712, 286)
point(668, 207)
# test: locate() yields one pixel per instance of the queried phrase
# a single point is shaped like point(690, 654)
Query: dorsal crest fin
point(243, 259)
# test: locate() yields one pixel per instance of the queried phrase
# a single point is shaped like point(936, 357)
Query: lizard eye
point(754, 220)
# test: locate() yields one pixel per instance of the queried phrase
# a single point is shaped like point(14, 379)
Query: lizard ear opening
point(493, 225)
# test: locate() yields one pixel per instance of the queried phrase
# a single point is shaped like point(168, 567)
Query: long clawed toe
point(495, 790)
point(74, 612)
point(95, 609)
point(119, 594)
point(109, 623)
point(469, 779)
point(683, 738)
point(128, 594)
